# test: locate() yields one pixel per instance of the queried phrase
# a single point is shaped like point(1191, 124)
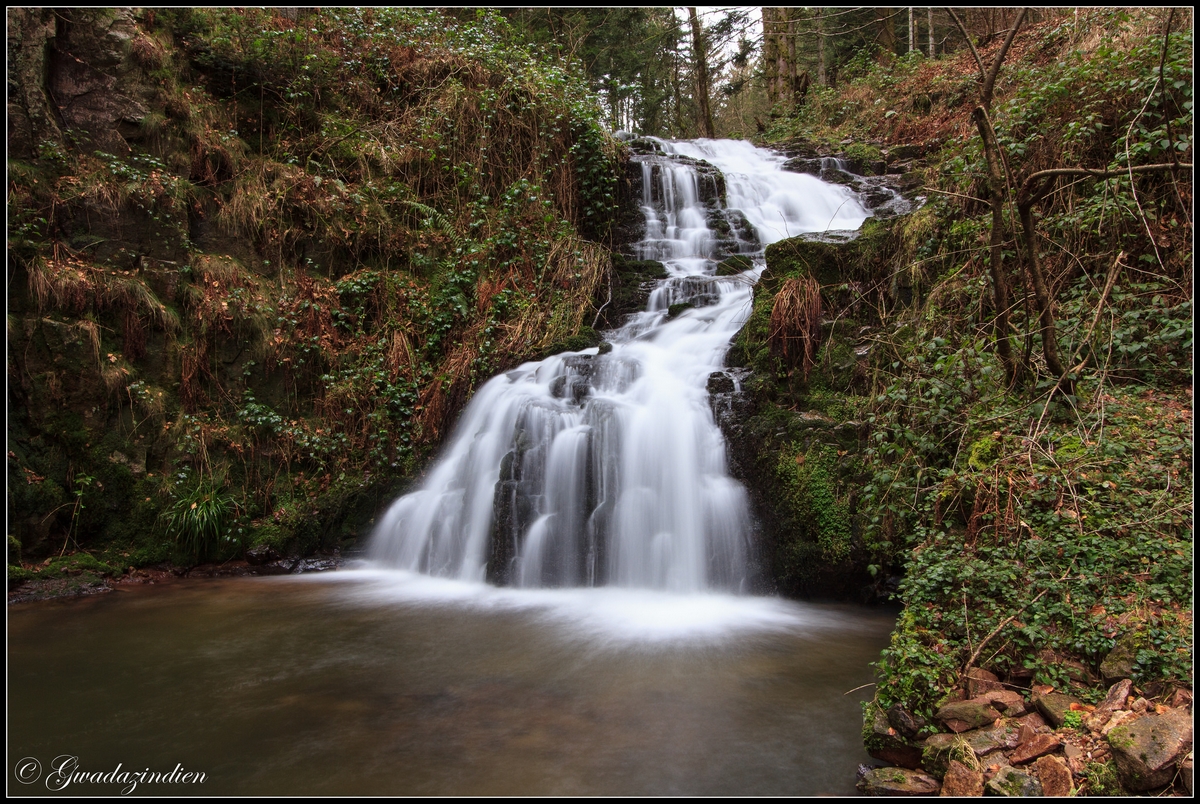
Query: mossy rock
point(732, 266)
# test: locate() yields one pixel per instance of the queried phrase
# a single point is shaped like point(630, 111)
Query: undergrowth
point(1033, 527)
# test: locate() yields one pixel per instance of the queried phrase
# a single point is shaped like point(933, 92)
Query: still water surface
point(370, 682)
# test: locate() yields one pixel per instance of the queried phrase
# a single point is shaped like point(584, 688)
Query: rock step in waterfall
point(590, 469)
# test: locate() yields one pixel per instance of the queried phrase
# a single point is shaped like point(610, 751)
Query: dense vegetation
point(1041, 520)
point(250, 314)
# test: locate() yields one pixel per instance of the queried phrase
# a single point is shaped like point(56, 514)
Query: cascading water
point(590, 469)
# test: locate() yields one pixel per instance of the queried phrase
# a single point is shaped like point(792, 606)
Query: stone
point(897, 782)
point(1054, 706)
point(1122, 717)
point(962, 781)
point(1002, 735)
point(1148, 750)
point(1181, 698)
point(1012, 782)
point(1185, 773)
point(965, 715)
point(980, 681)
point(1010, 702)
point(1055, 777)
point(720, 383)
point(1039, 745)
point(1118, 694)
point(885, 743)
point(1118, 664)
point(262, 554)
point(935, 758)
point(904, 722)
point(1033, 720)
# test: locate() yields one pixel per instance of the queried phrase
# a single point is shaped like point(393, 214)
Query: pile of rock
point(1036, 742)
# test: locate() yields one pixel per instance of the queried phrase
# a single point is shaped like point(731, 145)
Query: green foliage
point(199, 518)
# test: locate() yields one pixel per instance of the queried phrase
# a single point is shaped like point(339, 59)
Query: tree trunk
point(912, 29)
point(995, 186)
point(770, 43)
point(822, 75)
point(701, 58)
point(793, 87)
point(929, 19)
point(886, 32)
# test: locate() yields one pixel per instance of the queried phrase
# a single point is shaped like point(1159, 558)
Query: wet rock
point(1037, 746)
point(897, 782)
point(262, 554)
point(1148, 751)
point(1054, 706)
point(317, 564)
point(632, 283)
point(962, 781)
point(1012, 782)
point(965, 715)
point(734, 265)
point(1118, 664)
point(720, 383)
point(1055, 777)
point(904, 722)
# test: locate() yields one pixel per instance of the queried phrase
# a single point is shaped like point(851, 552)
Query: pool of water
point(367, 682)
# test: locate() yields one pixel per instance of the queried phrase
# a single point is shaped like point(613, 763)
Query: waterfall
point(589, 469)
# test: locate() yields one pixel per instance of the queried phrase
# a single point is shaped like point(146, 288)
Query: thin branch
point(990, 81)
point(1000, 627)
point(970, 44)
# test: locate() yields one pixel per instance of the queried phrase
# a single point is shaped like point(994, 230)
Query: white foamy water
point(608, 470)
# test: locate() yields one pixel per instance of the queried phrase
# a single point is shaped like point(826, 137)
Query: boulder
point(1148, 751)
point(1055, 777)
point(1054, 706)
point(1012, 782)
point(1037, 746)
point(962, 781)
point(897, 782)
point(965, 715)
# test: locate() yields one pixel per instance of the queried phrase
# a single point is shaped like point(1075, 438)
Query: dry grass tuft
point(795, 326)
